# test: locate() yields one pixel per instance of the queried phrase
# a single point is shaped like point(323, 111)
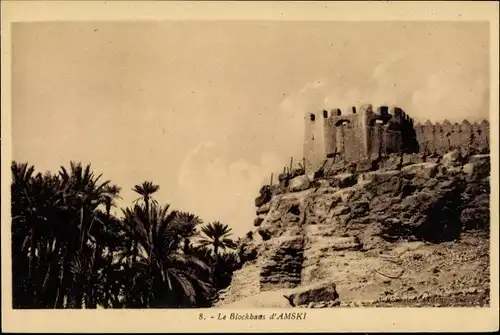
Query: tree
point(215, 236)
point(31, 230)
point(162, 276)
point(70, 251)
point(146, 190)
point(111, 192)
point(82, 195)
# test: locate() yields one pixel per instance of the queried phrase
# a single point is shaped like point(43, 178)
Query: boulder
point(410, 159)
point(391, 163)
point(344, 180)
point(260, 200)
point(475, 218)
point(297, 172)
point(248, 248)
point(324, 291)
point(425, 170)
point(451, 170)
point(478, 167)
point(264, 208)
point(265, 196)
point(299, 183)
point(377, 176)
point(451, 159)
point(367, 165)
point(258, 220)
point(385, 182)
point(477, 213)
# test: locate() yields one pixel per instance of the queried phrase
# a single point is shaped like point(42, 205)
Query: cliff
point(404, 230)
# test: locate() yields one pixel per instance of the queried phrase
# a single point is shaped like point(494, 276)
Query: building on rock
point(365, 133)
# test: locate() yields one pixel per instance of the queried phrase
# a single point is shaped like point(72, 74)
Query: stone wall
point(438, 138)
point(366, 133)
point(314, 142)
point(344, 134)
point(359, 134)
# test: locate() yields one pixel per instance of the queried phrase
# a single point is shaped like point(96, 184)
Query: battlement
point(439, 138)
point(381, 111)
point(362, 132)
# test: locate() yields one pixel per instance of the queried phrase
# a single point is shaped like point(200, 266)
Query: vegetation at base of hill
point(70, 251)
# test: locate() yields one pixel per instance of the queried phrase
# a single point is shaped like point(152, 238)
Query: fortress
point(372, 183)
point(365, 133)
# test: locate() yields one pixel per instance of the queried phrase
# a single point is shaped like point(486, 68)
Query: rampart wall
point(440, 138)
point(363, 133)
point(357, 134)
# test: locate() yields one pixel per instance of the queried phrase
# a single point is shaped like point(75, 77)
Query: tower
point(314, 145)
point(357, 134)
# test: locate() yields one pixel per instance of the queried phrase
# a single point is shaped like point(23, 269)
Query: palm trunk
point(40, 277)
point(216, 267)
point(187, 245)
point(150, 232)
point(32, 266)
point(91, 294)
point(59, 303)
point(108, 210)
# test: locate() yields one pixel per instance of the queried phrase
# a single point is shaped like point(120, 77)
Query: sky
point(209, 109)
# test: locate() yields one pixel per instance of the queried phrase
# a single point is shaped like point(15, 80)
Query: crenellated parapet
point(442, 137)
point(362, 132)
point(357, 133)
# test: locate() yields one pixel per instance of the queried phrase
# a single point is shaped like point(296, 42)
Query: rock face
point(375, 234)
point(325, 291)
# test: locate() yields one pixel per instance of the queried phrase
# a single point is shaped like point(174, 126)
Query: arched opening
point(384, 110)
point(353, 110)
point(339, 112)
point(325, 114)
point(313, 117)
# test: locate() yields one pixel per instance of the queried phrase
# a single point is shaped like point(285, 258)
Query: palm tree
point(184, 226)
point(229, 262)
point(27, 219)
point(162, 275)
point(111, 192)
point(215, 235)
point(146, 190)
point(70, 251)
point(82, 194)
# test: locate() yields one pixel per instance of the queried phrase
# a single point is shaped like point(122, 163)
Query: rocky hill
point(405, 230)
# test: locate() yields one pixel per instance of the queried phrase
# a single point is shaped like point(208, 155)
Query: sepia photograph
point(250, 170)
